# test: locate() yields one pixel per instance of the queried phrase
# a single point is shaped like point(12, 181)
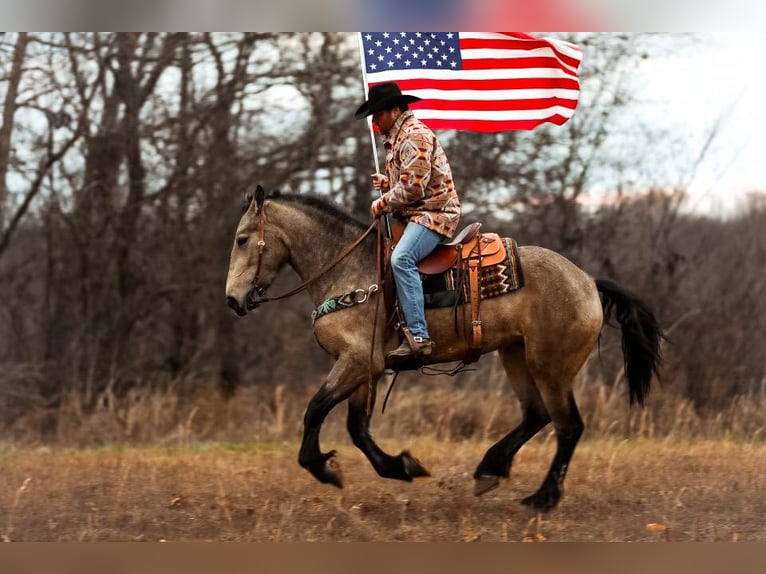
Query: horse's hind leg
point(569, 427)
point(497, 461)
point(401, 467)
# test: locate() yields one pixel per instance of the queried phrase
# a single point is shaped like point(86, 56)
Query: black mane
point(322, 205)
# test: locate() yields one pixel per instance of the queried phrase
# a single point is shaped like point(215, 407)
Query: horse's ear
point(248, 200)
point(260, 197)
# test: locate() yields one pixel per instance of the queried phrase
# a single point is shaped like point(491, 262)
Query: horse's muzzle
point(234, 304)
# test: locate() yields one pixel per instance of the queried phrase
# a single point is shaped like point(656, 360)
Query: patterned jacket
point(420, 187)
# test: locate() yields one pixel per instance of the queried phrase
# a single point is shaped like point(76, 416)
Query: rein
point(302, 287)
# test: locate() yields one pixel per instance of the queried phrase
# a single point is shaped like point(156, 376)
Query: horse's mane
point(321, 204)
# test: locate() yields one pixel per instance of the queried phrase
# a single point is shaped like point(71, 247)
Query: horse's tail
point(641, 335)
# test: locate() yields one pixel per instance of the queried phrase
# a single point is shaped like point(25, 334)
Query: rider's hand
point(379, 181)
point(378, 207)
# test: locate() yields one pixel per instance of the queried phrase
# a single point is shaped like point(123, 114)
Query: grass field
point(617, 490)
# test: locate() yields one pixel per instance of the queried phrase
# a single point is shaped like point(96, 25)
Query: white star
point(418, 34)
point(378, 43)
point(373, 66)
point(438, 63)
point(427, 42)
point(450, 35)
point(396, 41)
point(424, 62)
point(407, 63)
point(368, 37)
point(386, 34)
point(453, 64)
point(370, 51)
point(398, 56)
point(390, 64)
point(380, 58)
point(388, 49)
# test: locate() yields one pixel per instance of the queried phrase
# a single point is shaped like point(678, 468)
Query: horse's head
point(257, 255)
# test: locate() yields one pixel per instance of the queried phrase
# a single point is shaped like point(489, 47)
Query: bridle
point(261, 291)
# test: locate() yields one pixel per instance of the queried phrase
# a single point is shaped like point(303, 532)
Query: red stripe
point(513, 63)
point(502, 84)
point(511, 44)
point(487, 126)
point(494, 105)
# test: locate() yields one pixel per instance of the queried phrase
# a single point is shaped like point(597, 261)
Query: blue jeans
point(416, 242)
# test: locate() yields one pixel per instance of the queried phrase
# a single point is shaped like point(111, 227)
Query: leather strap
point(474, 345)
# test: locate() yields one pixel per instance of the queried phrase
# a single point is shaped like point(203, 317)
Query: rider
point(419, 190)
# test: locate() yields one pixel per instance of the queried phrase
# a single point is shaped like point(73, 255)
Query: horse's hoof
point(412, 466)
point(541, 501)
point(332, 472)
point(485, 483)
point(328, 471)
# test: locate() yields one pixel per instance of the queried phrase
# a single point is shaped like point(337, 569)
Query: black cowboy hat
point(383, 97)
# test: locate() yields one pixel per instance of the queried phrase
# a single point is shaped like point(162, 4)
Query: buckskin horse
point(544, 333)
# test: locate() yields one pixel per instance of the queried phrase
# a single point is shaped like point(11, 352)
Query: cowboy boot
point(423, 347)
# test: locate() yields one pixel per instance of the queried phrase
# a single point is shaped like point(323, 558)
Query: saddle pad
point(495, 280)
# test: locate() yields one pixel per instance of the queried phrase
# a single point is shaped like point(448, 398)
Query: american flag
point(480, 81)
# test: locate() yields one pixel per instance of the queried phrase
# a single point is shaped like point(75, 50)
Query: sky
point(719, 79)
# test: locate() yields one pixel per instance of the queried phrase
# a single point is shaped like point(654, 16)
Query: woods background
point(123, 163)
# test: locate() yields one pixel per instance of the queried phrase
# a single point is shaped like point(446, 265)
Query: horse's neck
point(314, 245)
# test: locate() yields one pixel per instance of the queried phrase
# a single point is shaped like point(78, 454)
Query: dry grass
point(645, 490)
point(153, 466)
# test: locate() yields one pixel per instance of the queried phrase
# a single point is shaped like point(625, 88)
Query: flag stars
point(410, 50)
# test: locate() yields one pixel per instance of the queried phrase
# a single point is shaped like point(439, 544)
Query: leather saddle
point(468, 244)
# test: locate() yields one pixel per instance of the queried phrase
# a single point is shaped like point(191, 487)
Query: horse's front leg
point(344, 378)
point(402, 467)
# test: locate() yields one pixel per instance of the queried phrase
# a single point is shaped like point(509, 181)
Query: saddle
point(466, 253)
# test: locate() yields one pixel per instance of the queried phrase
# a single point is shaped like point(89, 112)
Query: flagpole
point(369, 125)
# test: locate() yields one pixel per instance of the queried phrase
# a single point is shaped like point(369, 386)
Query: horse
point(544, 332)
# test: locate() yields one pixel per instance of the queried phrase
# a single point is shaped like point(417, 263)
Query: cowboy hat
point(383, 97)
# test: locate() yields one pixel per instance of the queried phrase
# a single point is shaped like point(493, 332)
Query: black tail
point(641, 335)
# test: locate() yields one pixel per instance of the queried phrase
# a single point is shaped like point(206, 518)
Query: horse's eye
point(241, 240)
